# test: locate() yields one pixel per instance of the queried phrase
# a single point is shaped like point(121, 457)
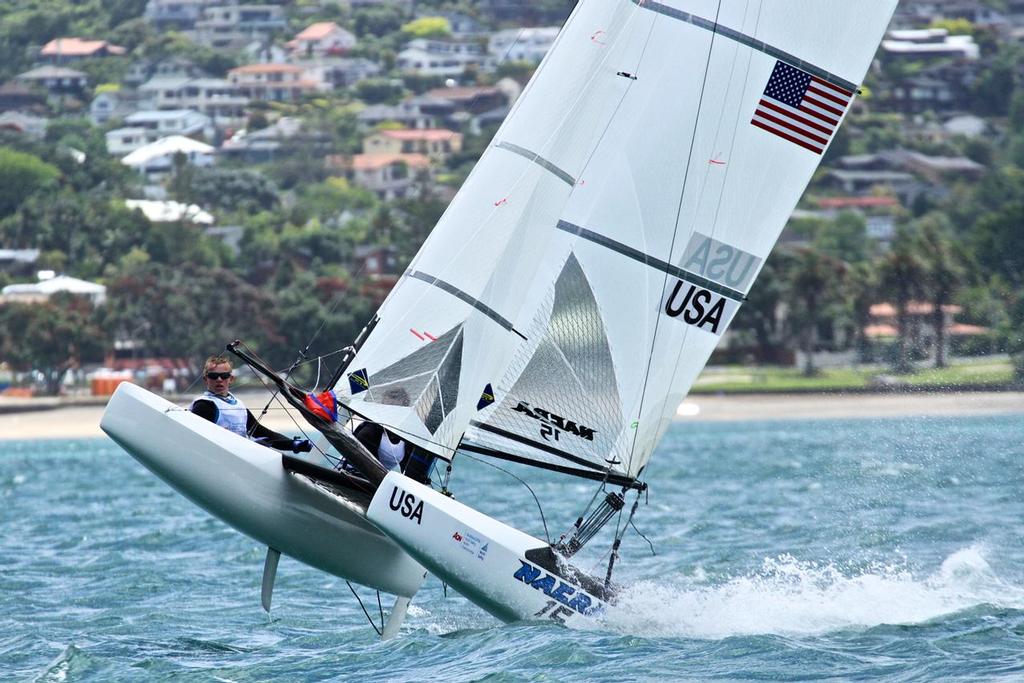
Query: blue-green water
point(785, 550)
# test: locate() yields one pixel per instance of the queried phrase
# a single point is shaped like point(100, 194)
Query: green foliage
point(231, 190)
point(955, 27)
point(993, 91)
point(21, 176)
point(428, 27)
point(189, 310)
point(379, 90)
point(52, 337)
point(380, 20)
point(844, 238)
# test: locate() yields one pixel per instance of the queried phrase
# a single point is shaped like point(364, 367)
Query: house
point(218, 98)
point(883, 325)
point(376, 261)
point(389, 176)
point(18, 261)
point(919, 94)
point(170, 212)
point(121, 141)
point(162, 123)
point(156, 160)
point(436, 143)
point(234, 26)
point(16, 96)
point(929, 43)
point(67, 50)
point(286, 134)
point(338, 72)
point(321, 39)
point(26, 124)
point(474, 99)
point(49, 284)
point(406, 113)
point(56, 80)
point(116, 104)
point(428, 57)
point(143, 70)
point(179, 15)
point(272, 82)
point(522, 44)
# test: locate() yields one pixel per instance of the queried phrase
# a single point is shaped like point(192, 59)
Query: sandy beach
point(55, 421)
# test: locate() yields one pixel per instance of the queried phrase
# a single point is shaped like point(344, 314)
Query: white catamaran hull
point(245, 485)
point(492, 564)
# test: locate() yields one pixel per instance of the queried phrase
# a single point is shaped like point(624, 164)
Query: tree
point(812, 287)
point(861, 291)
point(944, 273)
point(22, 175)
point(51, 337)
point(845, 238)
point(189, 310)
point(901, 277)
point(759, 315)
point(428, 27)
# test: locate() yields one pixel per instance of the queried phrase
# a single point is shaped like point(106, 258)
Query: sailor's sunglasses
point(218, 375)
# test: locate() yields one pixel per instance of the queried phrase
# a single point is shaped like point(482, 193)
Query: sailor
point(218, 405)
point(394, 452)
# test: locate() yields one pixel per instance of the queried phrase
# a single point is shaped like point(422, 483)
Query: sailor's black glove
point(301, 445)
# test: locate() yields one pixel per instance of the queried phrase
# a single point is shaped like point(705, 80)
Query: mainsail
point(579, 281)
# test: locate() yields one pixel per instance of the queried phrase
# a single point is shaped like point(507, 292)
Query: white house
point(121, 141)
point(50, 284)
point(156, 160)
point(170, 212)
point(523, 44)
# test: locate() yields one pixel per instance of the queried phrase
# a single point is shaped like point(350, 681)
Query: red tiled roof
point(266, 69)
point(317, 31)
point(76, 47)
point(857, 202)
point(887, 310)
point(875, 331)
point(427, 134)
point(965, 330)
point(371, 162)
point(463, 92)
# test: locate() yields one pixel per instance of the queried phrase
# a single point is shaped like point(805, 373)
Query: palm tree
point(901, 277)
point(944, 272)
point(861, 291)
point(813, 286)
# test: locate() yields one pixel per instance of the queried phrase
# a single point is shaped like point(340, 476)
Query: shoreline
point(32, 419)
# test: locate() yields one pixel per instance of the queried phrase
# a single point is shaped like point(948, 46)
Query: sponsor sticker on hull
point(566, 599)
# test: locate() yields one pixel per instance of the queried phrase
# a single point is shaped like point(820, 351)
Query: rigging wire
point(540, 508)
point(380, 631)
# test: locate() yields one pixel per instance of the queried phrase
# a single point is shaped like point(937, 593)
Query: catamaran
point(560, 310)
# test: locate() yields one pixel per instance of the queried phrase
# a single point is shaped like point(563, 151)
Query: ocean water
point(796, 550)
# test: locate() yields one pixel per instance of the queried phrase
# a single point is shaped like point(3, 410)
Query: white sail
point(604, 242)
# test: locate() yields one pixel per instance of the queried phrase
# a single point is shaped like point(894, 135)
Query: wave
point(792, 598)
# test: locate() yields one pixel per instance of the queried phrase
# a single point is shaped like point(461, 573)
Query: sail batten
point(748, 40)
point(537, 159)
point(651, 261)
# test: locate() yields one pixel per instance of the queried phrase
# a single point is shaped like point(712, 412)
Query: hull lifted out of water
point(245, 485)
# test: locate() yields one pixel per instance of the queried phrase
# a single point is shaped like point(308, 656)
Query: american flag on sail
point(801, 108)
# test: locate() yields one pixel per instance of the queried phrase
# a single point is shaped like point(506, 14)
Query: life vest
point(231, 412)
point(390, 454)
